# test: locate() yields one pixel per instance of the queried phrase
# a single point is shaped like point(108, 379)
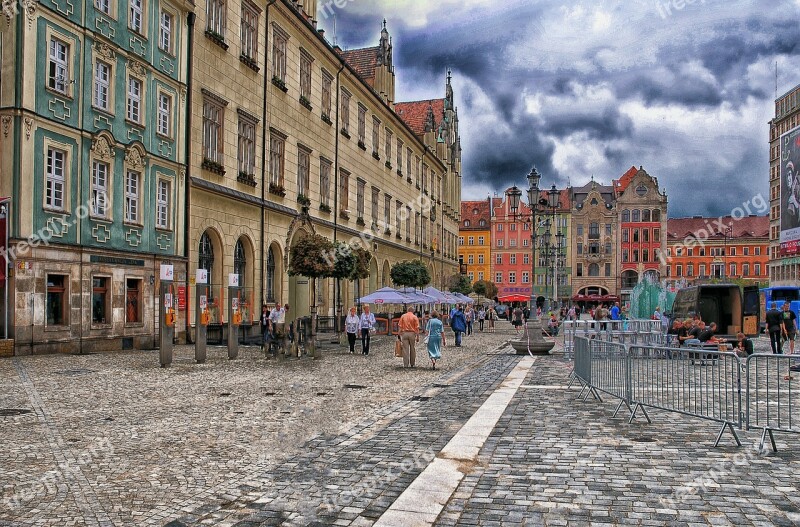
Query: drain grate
point(225, 394)
point(10, 412)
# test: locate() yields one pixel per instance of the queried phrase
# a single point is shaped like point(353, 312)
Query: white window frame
point(166, 23)
point(280, 41)
point(164, 121)
point(133, 182)
point(104, 6)
point(101, 97)
point(134, 100)
point(163, 202)
point(303, 170)
point(277, 149)
point(325, 182)
point(55, 189)
point(136, 15)
point(247, 146)
point(306, 61)
point(101, 176)
point(213, 128)
point(327, 86)
point(249, 29)
point(58, 65)
point(216, 20)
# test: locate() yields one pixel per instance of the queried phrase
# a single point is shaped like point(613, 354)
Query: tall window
point(636, 216)
point(399, 155)
point(512, 277)
point(608, 269)
point(345, 111)
point(213, 114)
point(239, 262)
point(165, 32)
point(103, 5)
point(162, 204)
point(270, 275)
point(594, 270)
point(498, 278)
point(247, 147)
point(279, 40)
point(594, 230)
point(425, 179)
point(100, 189)
point(206, 255)
point(135, 15)
point(409, 160)
point(164, 114)
point(362, 124)
point(303, 170)
point(375, 197)
point(325, 182)
point(250, 30)
point(513, 259)
point(408, 223)
point(132, 197)
point(100, 299)
point(56, 300)
point(388, 146)
point(327, 81)
point(344, 191)
point(305, 75)
point(133, 301)
point(398, 213)
point(416, 231)
point(276, 148)
point(102, 79)
point(55, 178)
point(387, 211)
point(58, 67)
point(417, 171)
point(215, 14)
point(134, 100)
point(376, 135)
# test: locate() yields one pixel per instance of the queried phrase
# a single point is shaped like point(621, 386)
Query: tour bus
point(732, 308)
point(775, 297)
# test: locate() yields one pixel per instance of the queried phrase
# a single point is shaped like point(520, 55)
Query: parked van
point(731, 308)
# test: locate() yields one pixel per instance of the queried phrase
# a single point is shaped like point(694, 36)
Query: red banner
point(181, 298)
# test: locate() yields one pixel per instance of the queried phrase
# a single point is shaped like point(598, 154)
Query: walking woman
point(491, 316)
point(351, 324)
point(436, 339)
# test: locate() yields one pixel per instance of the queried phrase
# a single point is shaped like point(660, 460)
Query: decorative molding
point(134, 134)
point(134, 158)
point(29, 6)
point(66, 11)
point(136, 68)
point(59, 109)
point(137, 46)
point(101, 233)
point(167, 65)
point(58, 226)
point(105, 27)
point(165, 148)
point(105, 51)
point(164, 241)
point(28, 123)
point(6, 124)
point(214, 97)
point(102, 148)
point(183, 94)
point(248, 116)
point(133, 237)
point(182, 174)
point(99, 119)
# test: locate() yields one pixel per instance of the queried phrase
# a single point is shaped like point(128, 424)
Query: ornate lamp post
point(532, 342)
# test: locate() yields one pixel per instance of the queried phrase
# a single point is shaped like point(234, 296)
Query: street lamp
point(514, 194)
point(532, 342)
point(726, 234)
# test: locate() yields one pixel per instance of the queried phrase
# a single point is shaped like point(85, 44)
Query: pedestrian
point(526, 312)
point(615, 311)
point(516, 318)
point(571, 313)
point(789, 326)
point(774, 322)
point(458, 323)
point(366, 323)
point(277, 320)
point(469, 315)
point(265, 327)
point(491, 316)
point(657, 313)
point(409, 336)
point(744, 345)
point(351, 326)
point(481, 318)
point(436, 338)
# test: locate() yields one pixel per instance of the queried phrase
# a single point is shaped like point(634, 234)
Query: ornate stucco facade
point(475, 239)
point(93, 98)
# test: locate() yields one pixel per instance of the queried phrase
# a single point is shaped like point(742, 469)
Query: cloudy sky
point(590, 88)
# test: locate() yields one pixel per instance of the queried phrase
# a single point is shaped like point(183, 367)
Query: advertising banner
point(790, 193)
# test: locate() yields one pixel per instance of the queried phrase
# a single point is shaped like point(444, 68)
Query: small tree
point(485, 288)
point(312, 256)
point(410, 274)
point(459, 283)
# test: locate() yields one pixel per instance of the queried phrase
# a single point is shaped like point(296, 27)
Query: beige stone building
point(294, 136)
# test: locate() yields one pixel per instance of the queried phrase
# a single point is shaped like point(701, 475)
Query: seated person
point(708, 334)
point(553, 325)
point(685, 332)
point(674, 333)
point(744, 344)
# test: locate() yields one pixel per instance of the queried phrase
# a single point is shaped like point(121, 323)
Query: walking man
point(788, 319)
point(366, 323)
point(774, 320)
point(409, 336)
point(458, 323)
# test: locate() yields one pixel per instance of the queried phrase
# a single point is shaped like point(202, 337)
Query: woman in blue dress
point(435, 332)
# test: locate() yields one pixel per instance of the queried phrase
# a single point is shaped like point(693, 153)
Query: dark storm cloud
point(593, 96)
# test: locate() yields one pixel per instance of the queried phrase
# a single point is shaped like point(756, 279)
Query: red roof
point(414, 114)
point(747, 227)
point(364, 61)
point(475, 211)
point(622, 183)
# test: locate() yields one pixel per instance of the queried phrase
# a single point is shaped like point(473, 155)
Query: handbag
point(398, 348)
point(425, 340)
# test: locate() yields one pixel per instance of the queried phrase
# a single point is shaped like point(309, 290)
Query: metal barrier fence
point(707, 385)
point(772, 400)
point(634, 331)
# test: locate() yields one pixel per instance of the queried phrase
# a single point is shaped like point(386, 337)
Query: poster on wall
point(790, 193)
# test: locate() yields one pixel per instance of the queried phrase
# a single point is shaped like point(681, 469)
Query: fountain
point(649, 294)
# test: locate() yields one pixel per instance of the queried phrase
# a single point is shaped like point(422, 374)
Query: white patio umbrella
point(386, 295)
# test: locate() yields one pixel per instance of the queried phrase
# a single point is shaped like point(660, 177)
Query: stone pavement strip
point(113, 440)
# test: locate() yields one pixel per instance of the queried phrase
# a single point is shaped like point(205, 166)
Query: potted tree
point(310, 256)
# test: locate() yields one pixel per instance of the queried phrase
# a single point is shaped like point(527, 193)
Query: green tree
point(312, 256)
point(459, 283)
point(410, 274)
point(485, 289)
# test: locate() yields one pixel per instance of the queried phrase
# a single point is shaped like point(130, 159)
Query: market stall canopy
point(513, 298)
point(386, 295)
point(441, 297)
point(463, 298)
point(418, 298)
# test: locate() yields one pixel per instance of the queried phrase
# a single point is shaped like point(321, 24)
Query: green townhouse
point(93, 99)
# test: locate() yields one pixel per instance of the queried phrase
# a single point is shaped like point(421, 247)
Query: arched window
point(482, 223)
point(239, 262)
point(646, 215)
point(626, 216)
point(206, 258)
point(656, 215)
point(270, 275)
point(594, 270)
point(636, 215)
point(466, 223)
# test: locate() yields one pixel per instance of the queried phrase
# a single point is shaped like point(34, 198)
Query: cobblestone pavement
point(129, 444)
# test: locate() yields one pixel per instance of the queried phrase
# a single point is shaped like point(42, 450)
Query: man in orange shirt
point(409, 336)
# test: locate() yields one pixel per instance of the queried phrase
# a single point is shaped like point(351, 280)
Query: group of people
point(273, 325)
point(782, 328)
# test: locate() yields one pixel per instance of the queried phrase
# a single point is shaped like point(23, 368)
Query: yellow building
point(293, 136)
point(474, 240)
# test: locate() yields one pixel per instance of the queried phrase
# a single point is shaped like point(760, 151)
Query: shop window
point(100, 300)
point(133, 301)
point(56, 300)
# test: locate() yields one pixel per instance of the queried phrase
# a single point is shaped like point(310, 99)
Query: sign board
point(203, 302)
point(168, 300)
point(201, 276)
point(378, 301)
point(790, 193)
point(235, 304)
point(167, 272)
point(182, 298)
point(233, 280)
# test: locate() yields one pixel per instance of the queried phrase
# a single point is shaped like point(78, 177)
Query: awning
point(513, 298)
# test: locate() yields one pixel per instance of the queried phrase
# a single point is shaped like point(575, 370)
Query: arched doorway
point(210, 258)
point(299, 289)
